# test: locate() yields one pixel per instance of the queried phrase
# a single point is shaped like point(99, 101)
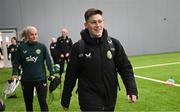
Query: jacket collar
point(94, 41)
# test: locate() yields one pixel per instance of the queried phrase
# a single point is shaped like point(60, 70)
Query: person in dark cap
point(96, 60)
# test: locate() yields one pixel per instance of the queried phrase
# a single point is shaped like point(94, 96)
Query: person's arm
point(125, 69)
point(16, 63)
point(48, 62)
point(69, 48)
point(1, 55)
point(50, 49)
point(59, 45)
point(8, 52)
point(1, 51)
point(70, 78)
point(70, 43)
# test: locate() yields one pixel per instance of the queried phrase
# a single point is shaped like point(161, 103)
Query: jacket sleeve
point(59, 46)
point(69, 46)
point(48, 61)
point(8, 51)
point(71, 43)
point(125, 69)
point(70, 77)
point(16, 62)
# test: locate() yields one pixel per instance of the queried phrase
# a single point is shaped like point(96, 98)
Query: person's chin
point(32, 41)
point(98, 35)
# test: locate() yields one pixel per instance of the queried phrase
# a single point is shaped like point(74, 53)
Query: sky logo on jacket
point(31, 59)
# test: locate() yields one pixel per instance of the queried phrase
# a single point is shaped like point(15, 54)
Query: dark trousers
point(61, 64)
point(55, 59)
point(28, 92)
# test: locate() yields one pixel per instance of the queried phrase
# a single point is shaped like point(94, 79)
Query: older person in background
point(64, 45)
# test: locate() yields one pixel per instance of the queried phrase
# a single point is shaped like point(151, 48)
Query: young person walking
point(31, 56)
point(97, 67)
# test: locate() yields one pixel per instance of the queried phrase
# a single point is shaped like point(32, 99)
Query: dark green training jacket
point(32, 58)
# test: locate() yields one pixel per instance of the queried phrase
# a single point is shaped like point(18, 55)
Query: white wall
point(142, 26)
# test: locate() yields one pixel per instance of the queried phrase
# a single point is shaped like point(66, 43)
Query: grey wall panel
point(142, 26)
point(46, 15)
point(10, 14)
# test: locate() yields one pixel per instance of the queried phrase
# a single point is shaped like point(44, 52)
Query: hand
point(65, 108)
point(14, 77)
point(133, 98)
point(62, 56)
point(51, 78)
point(1, 57)
point(67, 54)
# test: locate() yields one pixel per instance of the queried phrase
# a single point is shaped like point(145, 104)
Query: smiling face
point(95, 25)
point(32, 34)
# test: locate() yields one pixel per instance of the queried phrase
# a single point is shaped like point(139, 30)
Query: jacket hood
point(88, 39)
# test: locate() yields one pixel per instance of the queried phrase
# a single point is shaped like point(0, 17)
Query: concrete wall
point(142, 26)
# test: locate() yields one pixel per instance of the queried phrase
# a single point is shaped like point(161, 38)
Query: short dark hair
point(14, 38)
point(91, 12)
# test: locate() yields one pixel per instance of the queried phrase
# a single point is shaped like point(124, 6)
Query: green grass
point(153, 96)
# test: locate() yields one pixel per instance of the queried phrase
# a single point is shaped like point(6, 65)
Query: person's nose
point(98, 24)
